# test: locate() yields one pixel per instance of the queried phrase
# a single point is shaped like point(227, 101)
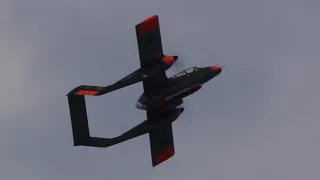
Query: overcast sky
point(259, 119)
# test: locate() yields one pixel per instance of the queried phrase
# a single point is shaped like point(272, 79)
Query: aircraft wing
point(161, 140)
point(150, 49)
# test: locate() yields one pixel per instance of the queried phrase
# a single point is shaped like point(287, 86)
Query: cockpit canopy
point(141, 103)
point(184, 72)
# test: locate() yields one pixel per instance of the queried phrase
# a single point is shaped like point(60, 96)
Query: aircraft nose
point(216, 69)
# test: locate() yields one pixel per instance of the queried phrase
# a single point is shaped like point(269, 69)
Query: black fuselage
point(178, 86)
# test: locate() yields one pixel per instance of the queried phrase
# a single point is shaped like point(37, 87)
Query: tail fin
point(79, 120)
point(80, 126)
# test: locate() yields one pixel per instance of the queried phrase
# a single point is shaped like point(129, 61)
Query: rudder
point(79, 119)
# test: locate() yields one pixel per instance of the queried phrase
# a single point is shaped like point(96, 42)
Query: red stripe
point(164, 155)
point(86, 92)
point(148, 25)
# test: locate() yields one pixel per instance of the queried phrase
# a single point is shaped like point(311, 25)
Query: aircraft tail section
point(88, 90)
point(81, 132)
point(80, 126)
point(79, 121)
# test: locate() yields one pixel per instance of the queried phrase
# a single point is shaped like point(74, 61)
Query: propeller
point(179, 65)
point(221, 66)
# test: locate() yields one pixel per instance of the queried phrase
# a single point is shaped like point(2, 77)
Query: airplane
point(161, 98)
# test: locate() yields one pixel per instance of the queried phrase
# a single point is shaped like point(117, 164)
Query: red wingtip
point(164, 155)
point(149, 19)
point(148, 24)
point(86, 92)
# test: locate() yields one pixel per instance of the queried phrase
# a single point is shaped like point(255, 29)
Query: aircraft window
point(185, 72)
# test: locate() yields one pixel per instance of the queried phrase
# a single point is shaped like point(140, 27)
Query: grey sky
point(258, 120)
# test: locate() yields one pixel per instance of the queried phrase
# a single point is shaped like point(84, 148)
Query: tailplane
point(80, 126)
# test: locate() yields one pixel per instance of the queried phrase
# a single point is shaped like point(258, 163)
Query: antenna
point(221, 66)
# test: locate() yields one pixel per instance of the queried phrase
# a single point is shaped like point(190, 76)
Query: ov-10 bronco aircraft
point(161, 97)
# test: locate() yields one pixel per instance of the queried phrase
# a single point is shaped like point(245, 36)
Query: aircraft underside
point(170, 100)
point(160, 98)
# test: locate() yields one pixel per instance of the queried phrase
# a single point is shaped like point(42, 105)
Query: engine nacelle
point(168, 61)
point(158, 65)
